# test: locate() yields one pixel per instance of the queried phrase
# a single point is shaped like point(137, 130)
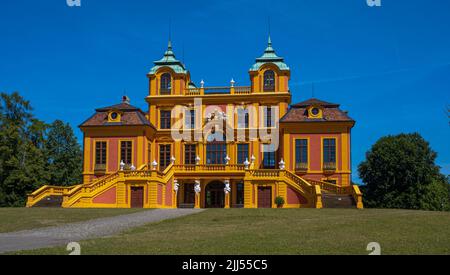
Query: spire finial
point(169, 46)
point(125, 99)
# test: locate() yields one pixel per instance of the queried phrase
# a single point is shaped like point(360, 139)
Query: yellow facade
point(163, 171)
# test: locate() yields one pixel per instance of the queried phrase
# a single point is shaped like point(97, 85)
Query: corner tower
point(270, 73)
point(168, 76)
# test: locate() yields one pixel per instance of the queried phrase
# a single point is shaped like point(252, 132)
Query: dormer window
point(166, 84)
point(315, 112)
point(269, 81)
point(114, 116)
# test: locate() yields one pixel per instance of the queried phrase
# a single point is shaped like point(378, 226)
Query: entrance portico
point(205, 193)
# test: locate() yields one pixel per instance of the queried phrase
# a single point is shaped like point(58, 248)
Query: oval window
point(114, 116)
point(315, 111)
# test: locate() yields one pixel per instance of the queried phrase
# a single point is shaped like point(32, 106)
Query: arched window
point(269, 81)
point(166, 84)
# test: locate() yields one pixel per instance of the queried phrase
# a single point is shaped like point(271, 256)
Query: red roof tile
point(131, 116)
point(331, 112)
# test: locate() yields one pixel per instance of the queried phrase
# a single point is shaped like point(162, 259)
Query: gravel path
point(73, 232)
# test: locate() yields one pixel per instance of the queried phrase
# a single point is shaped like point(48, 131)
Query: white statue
point(132, 168)
point(227, 188)
point(246, 163)
point(253, 159)
point(197, 187)
point(154, 165)
point(197, 160)
point(282, 164)
point(122, 165)
point(173, 159)
point(227, 160)
point(176, 186)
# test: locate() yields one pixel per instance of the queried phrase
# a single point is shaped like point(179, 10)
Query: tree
point(33, 153)
point(64, 155)
point(22, 164)
point(400, 172)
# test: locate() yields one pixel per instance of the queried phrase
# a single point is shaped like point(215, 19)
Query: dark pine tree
point(64, 155)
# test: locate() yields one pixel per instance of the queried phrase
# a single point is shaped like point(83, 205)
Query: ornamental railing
point(331, 187)
point(329, 166)
point(218, 90)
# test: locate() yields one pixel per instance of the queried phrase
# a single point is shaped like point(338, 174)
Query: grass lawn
point(281, 231)
point(15, 219)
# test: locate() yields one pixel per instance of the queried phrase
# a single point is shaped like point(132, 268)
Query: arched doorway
point(215, 195)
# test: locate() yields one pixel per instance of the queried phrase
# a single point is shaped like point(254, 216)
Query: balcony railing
point(209, 167)
point(329, 166)
point(100, 168)
point(217, 91)
point(301, 167)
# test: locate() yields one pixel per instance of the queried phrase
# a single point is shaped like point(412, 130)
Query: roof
point(331, 112)
point(315, 101)
point(131, 116)
point(270, 56)
point(121, 107)
point(169, 60)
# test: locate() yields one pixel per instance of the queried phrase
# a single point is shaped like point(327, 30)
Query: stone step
point(50, 201)
point(337, 201)
point(186, 205)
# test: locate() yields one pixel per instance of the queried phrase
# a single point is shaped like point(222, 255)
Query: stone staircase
point(320, 194)
point(330, 200)
point(50, 201)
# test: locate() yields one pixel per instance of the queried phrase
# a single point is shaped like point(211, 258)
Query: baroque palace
point(214, 147)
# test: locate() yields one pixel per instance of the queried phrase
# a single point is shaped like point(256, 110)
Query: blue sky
point(389, 66)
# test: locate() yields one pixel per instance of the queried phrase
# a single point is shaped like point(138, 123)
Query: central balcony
point(218, 91)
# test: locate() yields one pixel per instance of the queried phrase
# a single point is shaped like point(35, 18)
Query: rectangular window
point(242, 153)
point(243, 118)
point(100, 153)
point(329, 151)
point(215, 153)
point(165, 119)
point(269, 117)
point(189, 154)
point(126, 152)
point(269, 157)
point(164, 156)
point(301, 154)
point(190, 119)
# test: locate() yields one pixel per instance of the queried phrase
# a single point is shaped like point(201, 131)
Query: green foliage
point(63, 154)
point(24, 157)
point(279, 201)
point(400, 172)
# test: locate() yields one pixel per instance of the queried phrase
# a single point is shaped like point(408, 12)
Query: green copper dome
point(270, 56)
point(169, 60)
